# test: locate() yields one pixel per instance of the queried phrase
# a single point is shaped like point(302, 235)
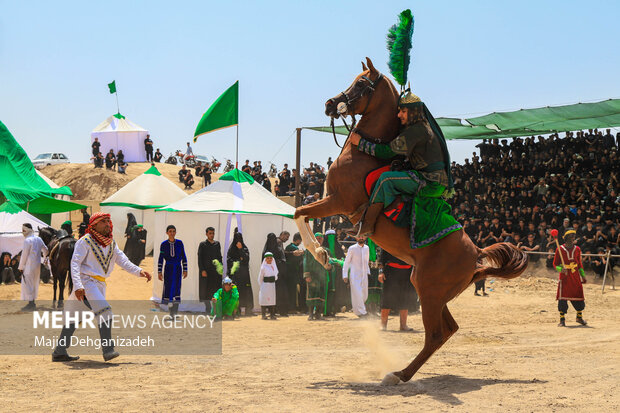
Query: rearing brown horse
point(441, 270)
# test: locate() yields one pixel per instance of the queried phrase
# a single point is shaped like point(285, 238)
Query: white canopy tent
point(118, 132)
point(141, 197)
point(12, 218)
point(60, 217)
point(235, 200)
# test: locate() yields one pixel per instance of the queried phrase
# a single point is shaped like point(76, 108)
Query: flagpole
point(237, 149)
point(118, 110)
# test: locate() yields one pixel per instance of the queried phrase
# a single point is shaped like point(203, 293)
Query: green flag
point(224, 112)
point(112, 87)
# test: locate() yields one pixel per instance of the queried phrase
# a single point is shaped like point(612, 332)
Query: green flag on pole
point(223, 113)
point(112, 87)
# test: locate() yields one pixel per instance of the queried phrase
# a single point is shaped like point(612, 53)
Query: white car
point(45, 159)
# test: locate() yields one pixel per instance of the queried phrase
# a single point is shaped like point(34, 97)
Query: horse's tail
point(507, 261)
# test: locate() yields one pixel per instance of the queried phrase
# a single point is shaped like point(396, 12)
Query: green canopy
point(525, 122)
point(49, 205)
point(20, 182)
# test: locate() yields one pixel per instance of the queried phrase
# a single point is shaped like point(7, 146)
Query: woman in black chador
point(133, 243)
point(238, 252)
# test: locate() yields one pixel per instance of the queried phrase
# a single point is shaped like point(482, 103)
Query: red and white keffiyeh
point(101, 239)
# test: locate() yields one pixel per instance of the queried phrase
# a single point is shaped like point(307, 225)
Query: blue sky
point(170, 61)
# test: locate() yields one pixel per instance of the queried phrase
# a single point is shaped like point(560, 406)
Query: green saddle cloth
point(429, 219)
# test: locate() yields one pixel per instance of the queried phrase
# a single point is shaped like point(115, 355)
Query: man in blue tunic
point(173, 252)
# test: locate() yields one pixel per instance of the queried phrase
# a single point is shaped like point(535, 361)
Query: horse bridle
point(372, 86)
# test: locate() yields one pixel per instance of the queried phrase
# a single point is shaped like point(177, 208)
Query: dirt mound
point(88, 183)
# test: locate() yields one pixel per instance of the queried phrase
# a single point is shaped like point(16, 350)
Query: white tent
point(118, 132)
point(12, 218)
point(60, 217)
point(141, 197)
point(233, 201)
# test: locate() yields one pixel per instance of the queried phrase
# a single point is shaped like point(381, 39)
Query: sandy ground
point(508, 355)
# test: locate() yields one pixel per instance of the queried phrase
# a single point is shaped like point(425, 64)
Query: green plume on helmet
point(399, 45)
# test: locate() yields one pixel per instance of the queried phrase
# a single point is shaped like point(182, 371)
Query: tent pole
point(298, 168)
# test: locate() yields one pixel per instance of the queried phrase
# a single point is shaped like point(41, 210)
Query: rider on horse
point(426, 172)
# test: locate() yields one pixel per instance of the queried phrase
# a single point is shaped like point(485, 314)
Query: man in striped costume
point(92, 263)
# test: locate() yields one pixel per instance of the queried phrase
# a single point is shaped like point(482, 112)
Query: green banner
point(223, 113)
point(112, 87)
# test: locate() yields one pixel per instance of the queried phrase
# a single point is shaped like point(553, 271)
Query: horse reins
point(370, 86)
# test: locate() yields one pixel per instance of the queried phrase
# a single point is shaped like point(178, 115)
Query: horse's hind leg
point(450, 324)
point(55, 278)
point(439, 326)
point(61, 294)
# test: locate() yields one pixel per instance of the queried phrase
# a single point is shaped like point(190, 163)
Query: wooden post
point(605, 273)
point(298, 168)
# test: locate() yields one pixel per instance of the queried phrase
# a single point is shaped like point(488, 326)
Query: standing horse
point(441, 270)
point(60, 253)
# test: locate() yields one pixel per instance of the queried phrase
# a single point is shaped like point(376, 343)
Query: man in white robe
point(30, 266)
point(355, 271)
point(92, 263)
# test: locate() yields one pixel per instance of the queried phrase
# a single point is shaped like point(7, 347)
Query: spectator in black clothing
point(530, 244)
point(598, 263)
point(189, 179)
point(284, 181)
point(157, 156)
point(110, 160)
point(266, 182)
point(148, 148)
point(198, 172)
point(182, 173)
point(98, 160)
point(95, 146)
point(7, 276)
point(247, 168)
point(206, 175)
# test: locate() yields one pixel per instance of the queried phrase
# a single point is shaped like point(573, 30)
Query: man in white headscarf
point(357, 262)
point(30, 266)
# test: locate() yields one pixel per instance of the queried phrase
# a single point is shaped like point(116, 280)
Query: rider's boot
point(370, 218)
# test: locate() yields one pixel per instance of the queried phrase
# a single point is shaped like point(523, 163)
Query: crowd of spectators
point(112, 161)
point(518, 192)
point(515, 192)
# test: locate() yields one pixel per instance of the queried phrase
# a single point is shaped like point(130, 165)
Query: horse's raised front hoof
point(391, 379)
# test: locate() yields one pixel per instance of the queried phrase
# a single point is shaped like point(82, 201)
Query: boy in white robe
point(267, 281)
